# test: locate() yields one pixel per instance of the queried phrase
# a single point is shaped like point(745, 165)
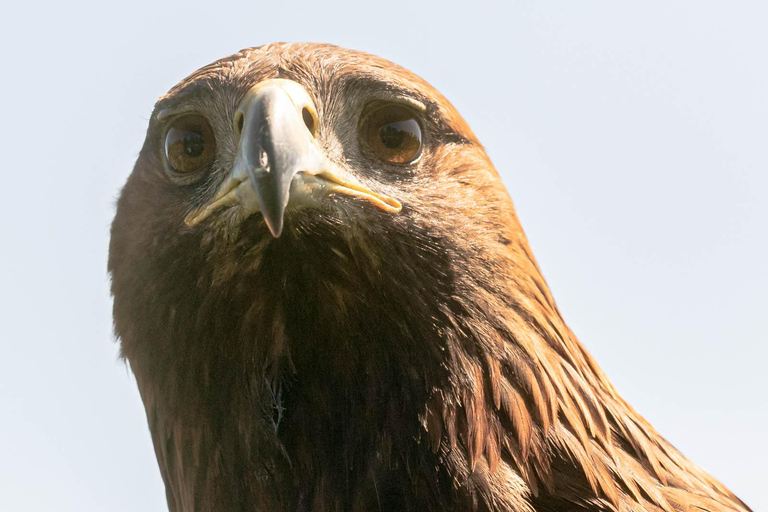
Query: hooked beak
point(278, 161)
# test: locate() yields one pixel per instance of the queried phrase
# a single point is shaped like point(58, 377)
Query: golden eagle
point(329, 305)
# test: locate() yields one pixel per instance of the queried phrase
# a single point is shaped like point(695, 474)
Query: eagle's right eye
point(190, 145)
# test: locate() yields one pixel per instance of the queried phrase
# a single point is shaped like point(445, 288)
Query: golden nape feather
point(329, 304)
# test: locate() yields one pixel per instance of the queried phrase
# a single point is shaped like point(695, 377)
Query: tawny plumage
point(329, 304)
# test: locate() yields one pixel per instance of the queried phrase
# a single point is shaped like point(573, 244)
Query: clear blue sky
point(632, 137)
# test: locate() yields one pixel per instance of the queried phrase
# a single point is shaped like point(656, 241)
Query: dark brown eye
point(189, 144)
point(392, 133)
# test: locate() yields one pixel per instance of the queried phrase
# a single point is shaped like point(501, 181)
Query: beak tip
point(275, 228)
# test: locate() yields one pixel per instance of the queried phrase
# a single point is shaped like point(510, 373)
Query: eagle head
point(328, 302)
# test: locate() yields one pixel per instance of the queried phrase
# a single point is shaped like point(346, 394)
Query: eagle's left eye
point(392, 133)
point(190, 145)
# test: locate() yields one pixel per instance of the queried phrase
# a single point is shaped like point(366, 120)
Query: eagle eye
point(392, 133)
point(190, 144)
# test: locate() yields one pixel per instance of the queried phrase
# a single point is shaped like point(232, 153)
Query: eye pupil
point(392, 136)
point(194, 145)
point(391, 133)
point(190, 145)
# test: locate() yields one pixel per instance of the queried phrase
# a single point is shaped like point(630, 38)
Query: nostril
point(239, 124)
point(309, 120)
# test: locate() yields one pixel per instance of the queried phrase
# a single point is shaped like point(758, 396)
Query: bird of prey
point(329, 305)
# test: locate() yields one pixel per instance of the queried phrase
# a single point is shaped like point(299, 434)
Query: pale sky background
point(632, 138)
